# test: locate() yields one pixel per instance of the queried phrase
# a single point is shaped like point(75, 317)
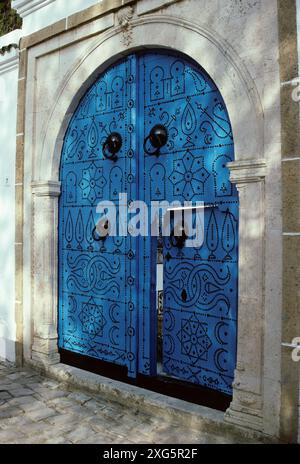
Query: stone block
point(20, 391)
point(291, 196)
point(41, 414)
point(79, 434)
point(289, 123)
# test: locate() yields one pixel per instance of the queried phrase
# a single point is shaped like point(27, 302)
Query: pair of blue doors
point(108, 286)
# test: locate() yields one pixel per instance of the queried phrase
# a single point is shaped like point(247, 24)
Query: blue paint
point(97, 281)
point(107, 299)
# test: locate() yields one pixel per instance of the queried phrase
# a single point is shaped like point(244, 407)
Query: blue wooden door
point(107, 299)
point(97, 280)
point(200, 284)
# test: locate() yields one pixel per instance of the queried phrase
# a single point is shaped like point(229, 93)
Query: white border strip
point(291, 234)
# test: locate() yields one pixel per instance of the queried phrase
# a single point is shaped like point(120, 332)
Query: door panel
point(97, 291)
point(200, 284)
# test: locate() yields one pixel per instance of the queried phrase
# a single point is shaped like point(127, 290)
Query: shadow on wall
point(7, 345)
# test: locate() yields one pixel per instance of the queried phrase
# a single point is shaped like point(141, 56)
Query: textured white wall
point(8, 111)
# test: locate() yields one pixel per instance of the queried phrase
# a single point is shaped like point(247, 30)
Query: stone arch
point(205, 47)
point(241, 98)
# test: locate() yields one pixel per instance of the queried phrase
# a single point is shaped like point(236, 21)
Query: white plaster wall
point(8, 110)
point(37, 14)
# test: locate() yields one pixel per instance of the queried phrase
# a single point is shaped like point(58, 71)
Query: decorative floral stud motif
point(189, 176)
point(92, 318)
point(194, 340)
point(92, 183)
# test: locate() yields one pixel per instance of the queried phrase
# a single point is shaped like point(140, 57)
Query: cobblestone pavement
point(34, 409)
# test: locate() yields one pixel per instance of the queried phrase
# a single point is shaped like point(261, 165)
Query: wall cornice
point(9, 60)
point(247, 170)
point(46, 188)
point(26, 7)
point(11, 38)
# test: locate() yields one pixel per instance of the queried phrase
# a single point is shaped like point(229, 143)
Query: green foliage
point(9, 19)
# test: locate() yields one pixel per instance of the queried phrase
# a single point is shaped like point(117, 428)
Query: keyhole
point(184, 295)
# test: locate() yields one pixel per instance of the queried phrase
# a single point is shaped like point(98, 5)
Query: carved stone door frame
point(253, 386)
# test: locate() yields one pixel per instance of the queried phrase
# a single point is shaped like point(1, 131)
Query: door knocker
point(178, 236)
point(158, 138)
point(112, 146)
point(101, 231)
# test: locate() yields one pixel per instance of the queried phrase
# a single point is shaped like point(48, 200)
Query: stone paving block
point(54, 431)
point(100, 439)
point(5, 395)
point(82, 433)
point(81, 398)
point(62, 404)
point(15, 423)
point(22, 400)
point(34, 384)
point(97, 424)
point(37, 428)
point(5, 385)
point(80, 412)
point(39, 414)
point(7, 436)
point(35, 405)
point(6, 413)
point(50, 384)
point(95, 406)
point(49, 394)
point(61, 419)
point(124, 441)
point(57, 441)
point(33, 440)
point(113, 411)
point(134, 431)
point(16, 376)
point(101, 427)
point(20, 391)
point(30, 374)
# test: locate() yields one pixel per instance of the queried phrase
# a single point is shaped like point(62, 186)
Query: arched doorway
point(110, 291)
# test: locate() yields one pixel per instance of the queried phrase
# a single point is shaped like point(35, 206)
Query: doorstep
point(191, 415)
